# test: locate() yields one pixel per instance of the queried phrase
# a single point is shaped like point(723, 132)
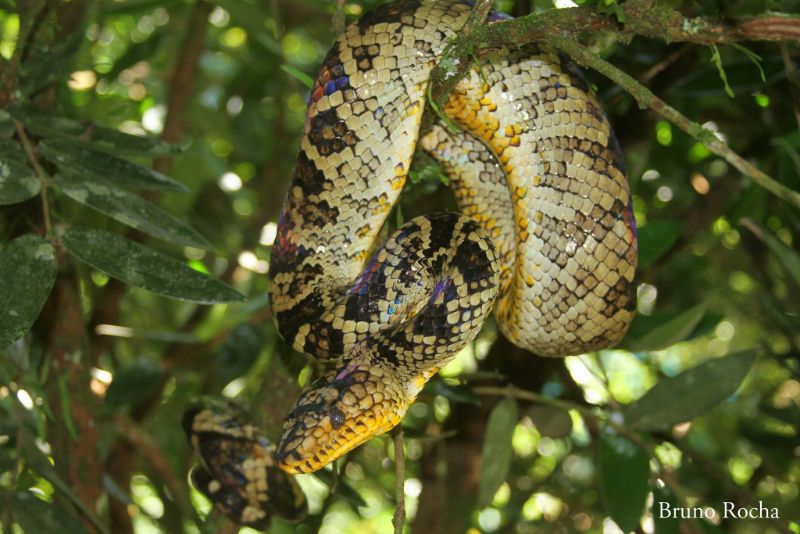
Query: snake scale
point(545, 237)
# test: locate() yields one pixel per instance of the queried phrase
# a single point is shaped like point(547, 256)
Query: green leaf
point(624, 475)
point(787, 255)
point(664, 523)
point(143, 267)
point(45, 64)
point(40, 463)
point(689, 394)
point(76, 159)
point(673, 331)
point(549, 421)
point(132, 210)
point(497, 450)
point(296, 73)
point(11, 150)
point(656, 238)
point(35, 515)
point(239, 350)
point(27, 273)
point(98, 138)
point(755, 58)
point(134, 383)
point(18, 182)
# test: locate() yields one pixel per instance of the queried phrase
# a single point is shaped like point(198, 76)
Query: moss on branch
point(562, 27)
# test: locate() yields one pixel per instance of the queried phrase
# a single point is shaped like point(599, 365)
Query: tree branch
point(182, 78)
point(642, 17)
point(560, 27)
point(399, 518)
point(43, 178)
point(647, 99)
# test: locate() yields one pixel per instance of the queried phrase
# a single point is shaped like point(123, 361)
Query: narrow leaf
point(132, 210)
point(143, 267)
point(755, 58)
point(97, 137)
point(787, 255)
point(77, 159)
point(296, 73)
point(18, 182)
point(27, 273)
point(689, 394)
point(497, 450)
point(624, 474)
point(45, 64)
point(673, 331)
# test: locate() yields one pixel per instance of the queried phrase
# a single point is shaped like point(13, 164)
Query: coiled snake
point(546, 236)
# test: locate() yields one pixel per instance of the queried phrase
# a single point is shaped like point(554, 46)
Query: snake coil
point(546, 234)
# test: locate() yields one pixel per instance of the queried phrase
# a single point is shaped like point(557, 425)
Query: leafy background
point(698, 406)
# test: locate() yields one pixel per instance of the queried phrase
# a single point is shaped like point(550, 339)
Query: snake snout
point(342, 410)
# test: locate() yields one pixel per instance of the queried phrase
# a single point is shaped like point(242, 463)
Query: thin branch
point(647, 99)
point(338, 20)
point(457, 57)
point(399, 518)
point(28, 147)
point(663, 472)
point(560, 27)
point(150, 450)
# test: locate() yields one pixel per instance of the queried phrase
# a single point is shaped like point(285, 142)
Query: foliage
point(177, 124)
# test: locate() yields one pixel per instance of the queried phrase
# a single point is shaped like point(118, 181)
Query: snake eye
point(337, 418)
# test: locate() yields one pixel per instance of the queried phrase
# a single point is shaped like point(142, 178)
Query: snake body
point(546, 228)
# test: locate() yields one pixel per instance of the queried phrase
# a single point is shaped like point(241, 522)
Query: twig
point(399, 518)
point(647, 99)
point(642, 17)
point(338, 20)
point(596, 417)
point(663, 473)
point(662, 65)
point(739, 492)
point(151, 451)
point(456, 59)
point(28, 147)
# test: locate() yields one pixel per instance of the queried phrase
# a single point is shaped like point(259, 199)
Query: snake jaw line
point(340, 411)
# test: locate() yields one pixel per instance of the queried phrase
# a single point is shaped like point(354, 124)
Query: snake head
point(236, 470)
point(340, 411)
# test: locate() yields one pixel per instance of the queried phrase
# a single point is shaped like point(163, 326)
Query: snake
point(545, 236)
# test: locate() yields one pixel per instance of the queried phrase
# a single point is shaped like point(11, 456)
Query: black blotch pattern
point(387, 13)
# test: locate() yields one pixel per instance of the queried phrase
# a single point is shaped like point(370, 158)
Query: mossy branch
point(561, 27)
point(642, 17)
point(647, 99)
